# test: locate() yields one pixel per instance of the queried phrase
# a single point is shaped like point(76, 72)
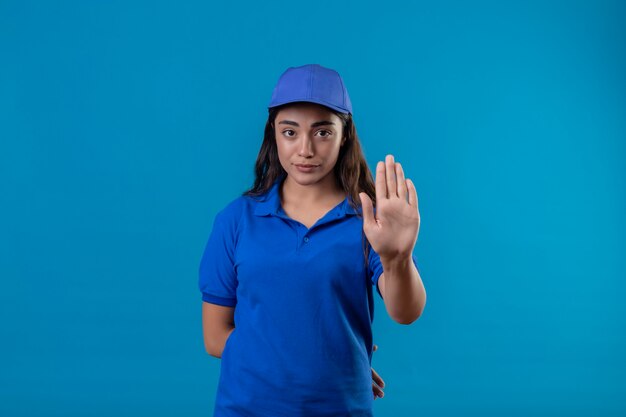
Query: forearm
point(218, 341)
point(405, 295)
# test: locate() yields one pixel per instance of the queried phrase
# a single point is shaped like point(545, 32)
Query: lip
point(305, 168)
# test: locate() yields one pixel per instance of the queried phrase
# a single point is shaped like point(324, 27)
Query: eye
point(286, 131)
point(327, 131)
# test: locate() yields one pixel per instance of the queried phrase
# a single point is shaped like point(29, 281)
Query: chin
point(304, 178)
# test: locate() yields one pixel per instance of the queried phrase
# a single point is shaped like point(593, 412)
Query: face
point(310, 134)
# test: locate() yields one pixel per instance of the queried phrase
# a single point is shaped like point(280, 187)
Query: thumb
point(368, 209)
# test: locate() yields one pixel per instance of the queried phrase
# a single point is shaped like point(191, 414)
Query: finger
point(377, 379)
point(401, 182)
point(412, 193)
point(377, 391)
point(368, 209)
point(381, 182)
point(392, 188)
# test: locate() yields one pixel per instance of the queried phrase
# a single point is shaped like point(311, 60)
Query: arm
point(217, 325)
point(392, 231)
point(402, 289)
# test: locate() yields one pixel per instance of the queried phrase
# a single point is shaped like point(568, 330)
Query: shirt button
point(306, 238)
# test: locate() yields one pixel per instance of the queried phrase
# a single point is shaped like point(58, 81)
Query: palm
point(393, 229)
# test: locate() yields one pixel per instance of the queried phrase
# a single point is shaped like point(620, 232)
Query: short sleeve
point(376, 267)
point(217, 277)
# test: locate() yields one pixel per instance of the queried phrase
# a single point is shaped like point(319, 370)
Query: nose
point(306, 147)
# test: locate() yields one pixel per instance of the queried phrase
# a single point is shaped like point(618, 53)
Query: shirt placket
point(305, 237)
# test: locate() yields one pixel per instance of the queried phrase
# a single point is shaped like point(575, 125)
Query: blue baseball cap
point(313, 83)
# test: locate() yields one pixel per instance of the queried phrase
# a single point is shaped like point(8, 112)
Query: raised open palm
point(392, 230)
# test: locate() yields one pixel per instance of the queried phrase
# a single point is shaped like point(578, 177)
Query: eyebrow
point(320, 123)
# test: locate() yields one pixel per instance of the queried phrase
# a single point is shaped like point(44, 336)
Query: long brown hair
point(351, 169)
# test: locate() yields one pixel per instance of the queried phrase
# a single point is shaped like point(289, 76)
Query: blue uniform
point(302, 344)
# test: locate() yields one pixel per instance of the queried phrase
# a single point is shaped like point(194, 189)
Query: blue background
point(125, 126)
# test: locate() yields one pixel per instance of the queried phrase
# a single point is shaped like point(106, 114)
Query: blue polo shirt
point(303, 298)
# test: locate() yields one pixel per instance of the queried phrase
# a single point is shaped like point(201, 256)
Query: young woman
point(288, 272)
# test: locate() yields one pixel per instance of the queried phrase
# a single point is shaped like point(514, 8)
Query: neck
point(326, 189)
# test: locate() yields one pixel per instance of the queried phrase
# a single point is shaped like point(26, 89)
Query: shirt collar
point(271, 202)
